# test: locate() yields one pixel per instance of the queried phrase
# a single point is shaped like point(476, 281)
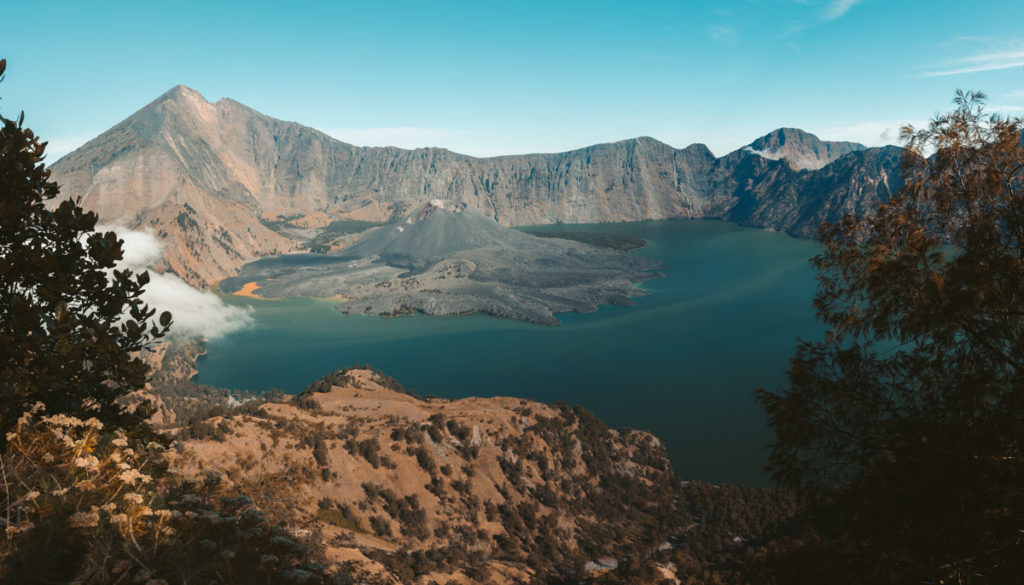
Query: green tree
point(902, 430)
point(80, 502)
point(71, 323)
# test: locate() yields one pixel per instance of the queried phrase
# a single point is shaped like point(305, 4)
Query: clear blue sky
point(490, 78)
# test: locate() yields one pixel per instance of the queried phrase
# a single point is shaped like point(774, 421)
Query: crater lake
point(683, 363)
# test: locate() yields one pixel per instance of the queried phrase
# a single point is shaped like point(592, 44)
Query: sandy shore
point(248, 290)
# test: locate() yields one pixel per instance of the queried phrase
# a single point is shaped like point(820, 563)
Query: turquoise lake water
point(682, 363)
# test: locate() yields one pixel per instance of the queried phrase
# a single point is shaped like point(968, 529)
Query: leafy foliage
point(85, 495)
point(71, 322)
point(904, 428)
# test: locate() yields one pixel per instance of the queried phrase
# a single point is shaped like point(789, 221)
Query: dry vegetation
point(85, 505)
point(410, 490)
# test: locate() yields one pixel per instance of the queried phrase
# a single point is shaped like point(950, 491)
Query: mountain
point(173, 167)
point(222, 184)
point(801, 150)
point(434, 232)
point(772, 194)
point(445, 259)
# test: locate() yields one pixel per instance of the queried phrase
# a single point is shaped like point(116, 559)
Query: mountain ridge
point(212, 179)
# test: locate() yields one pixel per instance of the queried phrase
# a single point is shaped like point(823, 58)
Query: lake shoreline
point(681, 363)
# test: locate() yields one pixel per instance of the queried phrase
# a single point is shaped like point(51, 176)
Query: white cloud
point(834, 9)
point(839, 8)
point(1005, 109)
point(196, 313)
point(141, 249)
point(763, 153)
point(400, 136)
point(723, 34)
point(868, 133)
point(978, 63)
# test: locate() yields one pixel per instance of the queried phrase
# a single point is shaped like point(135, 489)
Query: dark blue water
point(682, 363)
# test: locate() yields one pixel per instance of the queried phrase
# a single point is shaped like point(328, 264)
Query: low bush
point(87, 506)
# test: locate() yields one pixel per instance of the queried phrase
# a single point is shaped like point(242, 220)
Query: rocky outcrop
point(217, 181)
point(772, 194)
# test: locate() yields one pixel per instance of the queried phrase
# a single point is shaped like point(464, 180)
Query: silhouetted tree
point(903, 429)
point(71, 322)
point(82, 503)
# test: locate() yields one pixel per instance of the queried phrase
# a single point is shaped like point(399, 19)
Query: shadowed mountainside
point(800, 149)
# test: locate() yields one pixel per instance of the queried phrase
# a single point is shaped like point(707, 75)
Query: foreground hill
point(222, 184)
point(401, 489)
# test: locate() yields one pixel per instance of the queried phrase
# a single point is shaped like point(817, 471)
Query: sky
point(496, 77)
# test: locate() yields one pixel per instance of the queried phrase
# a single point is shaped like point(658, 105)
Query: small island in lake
point(445, 259)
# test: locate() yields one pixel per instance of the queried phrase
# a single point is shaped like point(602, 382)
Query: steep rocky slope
point(223, 184)
point(772, 194)
point(408, 490)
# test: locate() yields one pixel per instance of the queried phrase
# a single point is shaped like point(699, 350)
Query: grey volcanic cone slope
point(444, 260)
point(432, 233)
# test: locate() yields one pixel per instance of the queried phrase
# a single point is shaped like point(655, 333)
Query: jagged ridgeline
point(222, 184)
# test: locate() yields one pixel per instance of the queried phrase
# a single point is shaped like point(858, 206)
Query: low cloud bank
point(196, 313)
point(763, 153)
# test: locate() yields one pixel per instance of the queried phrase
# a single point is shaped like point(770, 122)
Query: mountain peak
point(802, 150)
point(179, 102)
point(783, 135)
point(179, 92)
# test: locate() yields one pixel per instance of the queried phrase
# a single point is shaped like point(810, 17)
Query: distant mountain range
point(222, 184)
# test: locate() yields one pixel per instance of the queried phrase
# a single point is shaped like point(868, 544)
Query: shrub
point(85, 507)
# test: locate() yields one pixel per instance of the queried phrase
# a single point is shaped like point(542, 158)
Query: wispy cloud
point(723, 34)
point(978, 63)
point(869, 132)
point(839, 8)
point(400, 136)
point(815, 16)
point(972, 39)
point(1005, 109)
point(196, 313)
